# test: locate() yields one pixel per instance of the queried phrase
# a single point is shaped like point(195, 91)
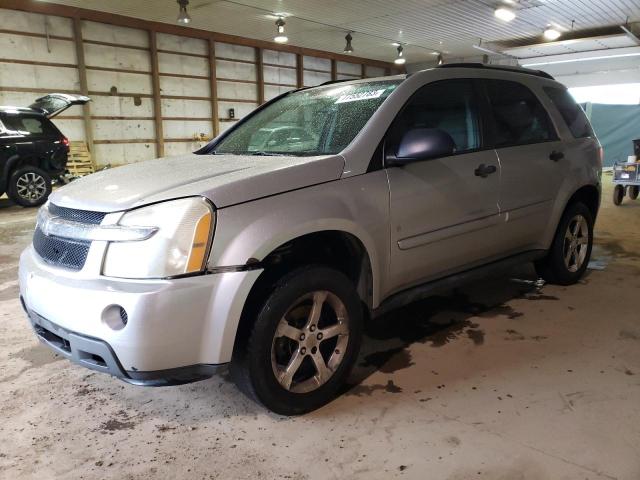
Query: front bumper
point(176, 330)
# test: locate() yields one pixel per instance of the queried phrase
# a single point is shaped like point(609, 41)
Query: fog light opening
point(115, 317)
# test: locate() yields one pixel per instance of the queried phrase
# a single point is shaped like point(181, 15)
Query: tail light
point(601, 156)
point(65, 141)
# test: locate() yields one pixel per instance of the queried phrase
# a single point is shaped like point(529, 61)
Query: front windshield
point(317, 121)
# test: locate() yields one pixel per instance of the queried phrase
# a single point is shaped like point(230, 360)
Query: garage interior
point(500, 379)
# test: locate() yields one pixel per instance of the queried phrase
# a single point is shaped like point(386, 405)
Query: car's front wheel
point(29, 186)
point(303, 343)
point(570, 251)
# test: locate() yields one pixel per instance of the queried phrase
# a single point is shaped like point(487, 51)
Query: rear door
point(531, 161)
point(56, 103)
point(443, 214)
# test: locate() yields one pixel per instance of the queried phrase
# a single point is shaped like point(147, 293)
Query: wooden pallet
point(80, 162)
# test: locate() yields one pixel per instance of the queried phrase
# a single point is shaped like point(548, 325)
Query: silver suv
point(268, 249)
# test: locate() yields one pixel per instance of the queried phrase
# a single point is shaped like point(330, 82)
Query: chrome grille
point(65, 252)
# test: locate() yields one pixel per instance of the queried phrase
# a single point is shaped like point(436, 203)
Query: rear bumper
point(98, 355)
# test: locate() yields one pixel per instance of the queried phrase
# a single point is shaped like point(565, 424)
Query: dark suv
point(32, 149)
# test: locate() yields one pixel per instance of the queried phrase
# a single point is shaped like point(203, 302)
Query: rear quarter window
point(570, 111)
point(30, 125)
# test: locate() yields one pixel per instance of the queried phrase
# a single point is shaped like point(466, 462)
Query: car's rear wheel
point(303, 343)
point(633, 192)
point(618, 194)
point(29, 186)
point(570, 251)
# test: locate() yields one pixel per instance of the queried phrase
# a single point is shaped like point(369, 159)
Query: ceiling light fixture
point(551, 34)
point(183, 15)
point(504, 13)
point(280, 37)
point(400, 60)
point(348, 48)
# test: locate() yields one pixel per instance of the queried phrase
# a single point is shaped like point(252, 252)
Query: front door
point(444, 210)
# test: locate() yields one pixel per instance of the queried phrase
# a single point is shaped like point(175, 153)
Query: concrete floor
point(496, 381)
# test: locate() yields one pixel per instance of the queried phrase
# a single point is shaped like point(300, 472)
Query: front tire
point(29, 186)
point(633, 192)
point(570, 251)
point(303, 344)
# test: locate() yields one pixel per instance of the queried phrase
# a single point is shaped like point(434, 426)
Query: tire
point(258, 364)
point(633, 192)
point(570, 251)
point(618, 194)
point(29, 186)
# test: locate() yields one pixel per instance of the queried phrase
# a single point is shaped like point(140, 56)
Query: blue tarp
point(616, 127)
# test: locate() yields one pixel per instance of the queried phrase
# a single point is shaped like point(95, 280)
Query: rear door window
point(518, 116)
point(570, 111)
point(29, 125)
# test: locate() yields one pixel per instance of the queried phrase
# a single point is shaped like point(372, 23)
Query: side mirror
point(422, 144)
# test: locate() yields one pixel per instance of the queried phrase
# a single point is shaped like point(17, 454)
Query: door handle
point(485, 170)
point(555, 156)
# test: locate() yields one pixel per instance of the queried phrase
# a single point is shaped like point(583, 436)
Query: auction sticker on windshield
point(355, 97)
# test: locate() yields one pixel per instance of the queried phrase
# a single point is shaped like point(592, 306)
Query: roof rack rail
point(505, 68)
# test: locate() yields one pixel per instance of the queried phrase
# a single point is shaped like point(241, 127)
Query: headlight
point(178, 247)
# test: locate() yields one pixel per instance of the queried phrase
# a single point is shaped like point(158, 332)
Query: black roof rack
point(505, 68)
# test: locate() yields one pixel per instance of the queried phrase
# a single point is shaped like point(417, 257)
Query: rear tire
point(633, 192)
point(29, 186)
point(303, 343)
point(570, 251)
point(618, 194)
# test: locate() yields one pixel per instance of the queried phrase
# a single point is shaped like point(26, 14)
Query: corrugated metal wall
point(152, 93)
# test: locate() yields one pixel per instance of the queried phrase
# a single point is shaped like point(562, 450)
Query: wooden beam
point(334, 70)
point(300, 70)
point(213, 82)
point(157, 99)
point(260, 75)
point(47, 8)
point(84, 85)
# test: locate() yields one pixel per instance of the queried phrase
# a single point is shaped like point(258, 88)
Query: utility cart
point(626, 176)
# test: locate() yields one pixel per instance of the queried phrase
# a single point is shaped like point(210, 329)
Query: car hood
point(223, 179)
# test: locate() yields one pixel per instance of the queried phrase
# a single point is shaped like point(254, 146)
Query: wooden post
point(334, 69)
point(363, 71)
point(299, 70)
point(157, 100)
point(84, 86)
point(214, 87)
point(260, 75)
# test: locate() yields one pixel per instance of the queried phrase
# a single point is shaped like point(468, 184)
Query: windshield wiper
point(267, 154)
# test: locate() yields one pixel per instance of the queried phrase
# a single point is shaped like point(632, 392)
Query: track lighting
point(551, 34)
point(348, 48)
point(183, 15)
point(400, 60)
point(280, 37)
point(504, 13)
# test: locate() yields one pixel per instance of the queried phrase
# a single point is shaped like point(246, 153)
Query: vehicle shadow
point(439, 320)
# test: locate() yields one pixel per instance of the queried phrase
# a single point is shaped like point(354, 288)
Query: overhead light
point(504, 13)
point(400, 60)
point(581, 59)
point(348, 48)
point(280, 37)
point(551, 34)
point(183, 15)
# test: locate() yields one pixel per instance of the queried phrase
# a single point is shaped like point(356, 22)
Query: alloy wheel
point(31, 186)
point(576, 243)
point(310, 342)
